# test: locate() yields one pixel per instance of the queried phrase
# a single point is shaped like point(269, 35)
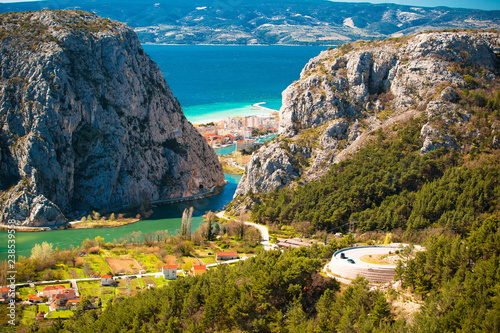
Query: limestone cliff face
point(345, 94)
point(88, 121)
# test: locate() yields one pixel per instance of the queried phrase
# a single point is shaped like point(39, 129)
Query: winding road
point(262, 229)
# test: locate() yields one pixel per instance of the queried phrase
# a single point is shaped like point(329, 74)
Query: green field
point(149, 262)
point(64, 314)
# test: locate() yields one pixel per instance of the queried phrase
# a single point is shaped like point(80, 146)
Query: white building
point(169, 272)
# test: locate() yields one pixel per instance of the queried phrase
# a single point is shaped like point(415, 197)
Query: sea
point(210, 82)
point(213, 82)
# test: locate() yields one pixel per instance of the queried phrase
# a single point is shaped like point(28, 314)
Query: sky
point(476, 4)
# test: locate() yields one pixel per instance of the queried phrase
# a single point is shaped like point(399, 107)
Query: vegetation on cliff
point(435, 166)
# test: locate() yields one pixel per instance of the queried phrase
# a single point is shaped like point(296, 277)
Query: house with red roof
point(169, 272)
point(107, 280)
point(198, 270)
point(4, 294)
point(40, 315)
point(33, 299)
point(66, 300)
point(226, 255)
point(51, 291)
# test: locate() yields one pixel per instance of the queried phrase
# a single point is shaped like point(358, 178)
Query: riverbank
point(102, 221)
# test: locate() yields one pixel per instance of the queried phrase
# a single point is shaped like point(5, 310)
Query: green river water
point(166, 217)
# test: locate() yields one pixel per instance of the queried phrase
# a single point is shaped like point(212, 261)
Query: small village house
point(198, 270)
point(51, 291)
point(33, 299)
point(40, 315)
point(107, 280)
point(4, 293)
point(169, 272)
point(226, 255)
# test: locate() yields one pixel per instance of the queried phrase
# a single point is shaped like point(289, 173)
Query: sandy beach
point(203, 114)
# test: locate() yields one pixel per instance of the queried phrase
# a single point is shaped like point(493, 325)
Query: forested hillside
point(389, 184)
point(437, 166)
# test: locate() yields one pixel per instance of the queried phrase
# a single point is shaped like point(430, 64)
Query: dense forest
point(389, 184)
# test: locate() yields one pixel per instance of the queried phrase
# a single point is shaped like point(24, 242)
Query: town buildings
point(231, 129)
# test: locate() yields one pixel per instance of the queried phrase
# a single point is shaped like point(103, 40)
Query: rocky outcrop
point(345, 94)
point(88, 121)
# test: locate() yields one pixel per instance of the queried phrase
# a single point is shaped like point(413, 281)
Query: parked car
point(342, 255)
point(350, 261)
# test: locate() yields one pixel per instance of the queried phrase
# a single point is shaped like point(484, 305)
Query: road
point(262, 229)
point(356, 254)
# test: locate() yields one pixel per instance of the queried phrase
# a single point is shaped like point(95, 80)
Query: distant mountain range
point(300, 22)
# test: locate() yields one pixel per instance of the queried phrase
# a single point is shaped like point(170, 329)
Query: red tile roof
point(231, 253)
point(169, 267)
point(57, 287)
point(200, 267)
point(4, 290)
point(33, 297)
point(73, 301)
point(106, 277)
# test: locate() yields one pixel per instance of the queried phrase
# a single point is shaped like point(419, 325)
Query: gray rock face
point(88, 122)
point(347, 93)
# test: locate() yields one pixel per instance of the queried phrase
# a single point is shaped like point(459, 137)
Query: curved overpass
point(372, 272)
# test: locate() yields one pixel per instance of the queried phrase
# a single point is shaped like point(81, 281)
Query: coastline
point(232, 110)
point(208, 44)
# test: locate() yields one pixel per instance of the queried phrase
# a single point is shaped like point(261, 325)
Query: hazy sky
point(478, 4)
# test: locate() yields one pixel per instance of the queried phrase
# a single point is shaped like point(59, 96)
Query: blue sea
point(213, 82)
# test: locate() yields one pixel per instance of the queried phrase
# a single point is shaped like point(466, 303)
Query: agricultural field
point(63, 314)
point(149, 262)
point(123, 266)
point(98, 264)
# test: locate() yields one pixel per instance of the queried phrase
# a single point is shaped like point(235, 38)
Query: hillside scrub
point(390, 184)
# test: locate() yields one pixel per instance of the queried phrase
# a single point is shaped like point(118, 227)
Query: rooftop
point(57, 287)
point(169, 267)
point(230, 253)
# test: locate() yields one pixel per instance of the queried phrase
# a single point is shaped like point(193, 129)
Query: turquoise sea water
point(211, 82)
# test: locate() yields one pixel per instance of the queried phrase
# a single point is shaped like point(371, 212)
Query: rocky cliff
point(88, 121)
point(345, 95)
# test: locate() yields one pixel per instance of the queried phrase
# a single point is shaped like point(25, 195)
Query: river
point(166, 217)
